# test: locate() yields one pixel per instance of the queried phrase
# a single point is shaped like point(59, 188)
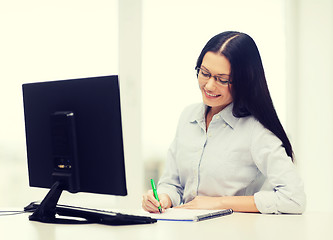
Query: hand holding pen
point(150, 202)
point(153, 186)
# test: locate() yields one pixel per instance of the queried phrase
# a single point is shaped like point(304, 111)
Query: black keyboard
point(95, 215)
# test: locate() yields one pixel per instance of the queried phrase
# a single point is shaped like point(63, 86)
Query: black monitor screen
point(74, 132)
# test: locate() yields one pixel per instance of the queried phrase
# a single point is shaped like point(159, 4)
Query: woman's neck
point(210, 112)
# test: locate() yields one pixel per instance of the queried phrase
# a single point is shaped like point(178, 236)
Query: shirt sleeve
point(169, 182)
point(172, 182)
point(283, 191)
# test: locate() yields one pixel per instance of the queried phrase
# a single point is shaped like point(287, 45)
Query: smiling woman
point(172, 44)
point(230, 151)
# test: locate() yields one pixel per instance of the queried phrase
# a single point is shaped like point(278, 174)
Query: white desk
point(243, 226)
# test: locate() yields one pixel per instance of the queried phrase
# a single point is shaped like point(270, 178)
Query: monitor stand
point(46, 211)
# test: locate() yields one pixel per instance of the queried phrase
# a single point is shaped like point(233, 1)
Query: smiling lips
point(210, 95)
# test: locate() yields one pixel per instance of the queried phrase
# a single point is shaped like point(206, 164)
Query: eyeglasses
point(221, 79)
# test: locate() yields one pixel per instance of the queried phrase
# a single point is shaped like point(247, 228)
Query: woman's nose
point(210, 85)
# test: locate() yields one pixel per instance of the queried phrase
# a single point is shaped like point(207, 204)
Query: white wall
point(310, 98)
point(130, 68)
point(47, 40)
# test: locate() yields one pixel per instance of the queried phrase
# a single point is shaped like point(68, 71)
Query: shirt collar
point(199, 114)
point(228, 116)
point(225, 114)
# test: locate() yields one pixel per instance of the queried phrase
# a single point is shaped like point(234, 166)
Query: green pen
point(155, 194)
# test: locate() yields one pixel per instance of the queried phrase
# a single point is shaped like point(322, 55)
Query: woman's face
point(215, 95)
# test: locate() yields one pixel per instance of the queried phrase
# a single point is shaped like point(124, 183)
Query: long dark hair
point(249, 87)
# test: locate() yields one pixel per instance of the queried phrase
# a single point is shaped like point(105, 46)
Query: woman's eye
point(205, 74)
point(223, 80)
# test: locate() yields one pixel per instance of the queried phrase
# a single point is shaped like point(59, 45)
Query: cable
point(8, 213)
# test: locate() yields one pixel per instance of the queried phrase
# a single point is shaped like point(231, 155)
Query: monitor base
point(46, 211)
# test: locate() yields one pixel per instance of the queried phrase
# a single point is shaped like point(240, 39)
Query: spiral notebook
point(190, 215)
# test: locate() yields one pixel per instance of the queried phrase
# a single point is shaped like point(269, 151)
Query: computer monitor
point(74, 139)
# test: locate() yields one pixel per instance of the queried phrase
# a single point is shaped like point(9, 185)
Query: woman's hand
point(150, 204)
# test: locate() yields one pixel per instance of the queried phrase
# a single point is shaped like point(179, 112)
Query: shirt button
point(224, 125)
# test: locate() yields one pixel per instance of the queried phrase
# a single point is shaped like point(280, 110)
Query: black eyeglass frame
point(219, 79)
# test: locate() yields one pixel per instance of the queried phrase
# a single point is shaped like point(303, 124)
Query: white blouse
point(234, 157)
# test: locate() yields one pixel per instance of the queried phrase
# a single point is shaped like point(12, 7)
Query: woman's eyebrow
point(221, 74)
point(205, 68)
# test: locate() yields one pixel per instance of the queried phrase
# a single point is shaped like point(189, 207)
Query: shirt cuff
point(174, 196)
point(266, 201)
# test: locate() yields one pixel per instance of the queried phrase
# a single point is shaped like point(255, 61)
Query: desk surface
point(236, 226)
